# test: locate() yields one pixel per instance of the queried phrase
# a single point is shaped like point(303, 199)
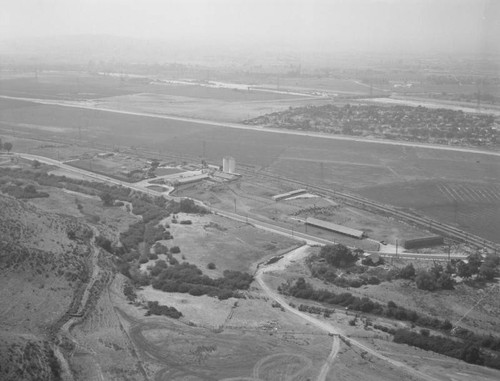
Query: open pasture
point(347, 165)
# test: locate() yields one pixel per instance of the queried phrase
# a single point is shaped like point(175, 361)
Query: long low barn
point(418, 243)
point(335, 228)
point(288, 194)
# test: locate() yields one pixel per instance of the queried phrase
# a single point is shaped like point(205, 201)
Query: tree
point(407, 272)
point(425, 281)
point(474, 262)
point(107, 199)
point(7, 146)
point(30, 189)
point(36, 164)
point(463, 270)
point(211, 266)
point(445, 281)
point(338, 255)
point(488, 270)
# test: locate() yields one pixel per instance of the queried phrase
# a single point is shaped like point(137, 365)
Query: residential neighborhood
point(419, 124)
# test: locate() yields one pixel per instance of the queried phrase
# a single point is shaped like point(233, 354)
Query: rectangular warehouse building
point(288, 194)
point(418, 243)
point(335, 228)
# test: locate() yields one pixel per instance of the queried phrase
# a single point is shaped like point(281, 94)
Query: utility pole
point(235, 204)
point(397, 243)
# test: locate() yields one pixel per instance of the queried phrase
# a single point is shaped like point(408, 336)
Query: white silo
point(228, 164)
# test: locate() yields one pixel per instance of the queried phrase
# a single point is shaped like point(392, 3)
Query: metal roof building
point(190, 179)
point(335, 228)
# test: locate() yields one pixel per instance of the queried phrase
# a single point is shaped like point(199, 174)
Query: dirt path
point(73, 320)
point(281, 265)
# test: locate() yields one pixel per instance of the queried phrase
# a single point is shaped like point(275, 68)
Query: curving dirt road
point(301, 251)
point(281, 265)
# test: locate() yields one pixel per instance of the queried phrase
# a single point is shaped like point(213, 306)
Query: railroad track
point(425, 222)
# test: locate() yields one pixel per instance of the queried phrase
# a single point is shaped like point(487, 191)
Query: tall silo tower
point(228, 164)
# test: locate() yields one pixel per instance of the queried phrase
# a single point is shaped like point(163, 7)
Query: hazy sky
point(452, 25)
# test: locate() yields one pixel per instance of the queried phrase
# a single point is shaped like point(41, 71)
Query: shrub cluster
point(29, 191)
point(301, 289)
point(468, 351)
point(187, 278)
point(156, 309)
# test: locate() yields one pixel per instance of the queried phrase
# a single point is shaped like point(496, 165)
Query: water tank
point(228, 164)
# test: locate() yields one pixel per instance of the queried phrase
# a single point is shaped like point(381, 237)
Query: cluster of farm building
point(391, 122)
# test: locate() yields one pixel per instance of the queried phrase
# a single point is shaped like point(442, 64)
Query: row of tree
point(438, 277)
point(301, 289)
point(463, 350)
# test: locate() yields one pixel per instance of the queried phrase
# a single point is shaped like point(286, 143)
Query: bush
point(160, 249)
point(373, 280)
point(407, 272)
point(425, 281)
point(338, 255)
point(186, 222)
point(104, 243)
point(465, 351)
point(156, 309)
point(211, 266)
point(175, 250)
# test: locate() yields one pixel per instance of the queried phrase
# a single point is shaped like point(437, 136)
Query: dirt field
point(254, 199)
point(228, 244)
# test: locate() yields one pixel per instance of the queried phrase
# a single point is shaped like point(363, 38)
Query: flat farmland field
point(348, 165)
point(473, 207)
point(81, 86)
point(64, 86)
point(235, 108)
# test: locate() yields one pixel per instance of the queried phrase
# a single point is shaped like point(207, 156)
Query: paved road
point(92, 106)
point(259, 275)
point(309, 239)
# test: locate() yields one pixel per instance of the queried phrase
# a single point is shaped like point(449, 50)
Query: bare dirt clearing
point(228, 244)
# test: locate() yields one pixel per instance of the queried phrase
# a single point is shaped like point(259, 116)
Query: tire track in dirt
point(326, 326)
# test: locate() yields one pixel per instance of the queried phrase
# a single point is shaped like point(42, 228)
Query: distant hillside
point(43, 268)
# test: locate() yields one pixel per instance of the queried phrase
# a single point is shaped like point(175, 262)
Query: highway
point(91, 106)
